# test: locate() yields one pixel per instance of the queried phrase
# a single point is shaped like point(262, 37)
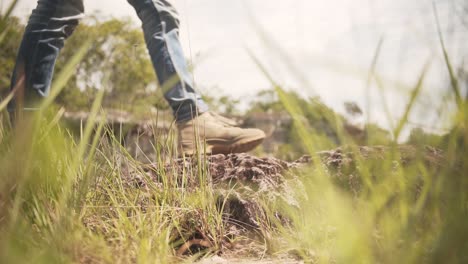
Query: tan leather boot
point(212, 133)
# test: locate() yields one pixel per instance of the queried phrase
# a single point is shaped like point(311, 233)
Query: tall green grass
point(400, 213)
point(66, 200)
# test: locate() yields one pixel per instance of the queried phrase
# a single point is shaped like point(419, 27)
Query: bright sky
point(330, 44)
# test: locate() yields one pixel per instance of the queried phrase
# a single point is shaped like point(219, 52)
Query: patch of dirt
point(234, 260)
point(243, 183)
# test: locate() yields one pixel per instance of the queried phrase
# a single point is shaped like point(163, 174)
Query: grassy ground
point(68, 200)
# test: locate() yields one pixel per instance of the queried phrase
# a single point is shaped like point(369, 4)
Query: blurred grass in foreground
point(64, 200)
point(399, 213)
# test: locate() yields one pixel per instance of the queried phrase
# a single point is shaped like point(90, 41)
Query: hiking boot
point(224, 120)
point(212, 133)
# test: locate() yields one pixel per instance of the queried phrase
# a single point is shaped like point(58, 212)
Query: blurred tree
point(420, 137)
point(8, 49)
point(353, 109)
point(117, 62)
point(321, 121)
point(267, 101)
point(222, 104)
point(375, 135)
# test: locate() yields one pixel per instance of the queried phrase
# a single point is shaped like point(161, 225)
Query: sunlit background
point(330, 48)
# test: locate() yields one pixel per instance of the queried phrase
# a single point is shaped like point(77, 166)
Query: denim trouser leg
point(53, 21)
point(49, 25)
point(161, 29)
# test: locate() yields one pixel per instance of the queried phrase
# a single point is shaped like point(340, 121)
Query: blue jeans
point(53, 21)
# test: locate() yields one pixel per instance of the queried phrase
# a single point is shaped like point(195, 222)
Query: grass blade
point(414, 94)
point(371, 76)
point(453, 78)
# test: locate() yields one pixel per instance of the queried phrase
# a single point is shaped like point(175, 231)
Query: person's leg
point(49, 25)
point(161, 29)
point(199, 130)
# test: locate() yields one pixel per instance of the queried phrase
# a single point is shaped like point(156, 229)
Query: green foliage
point(317, 119)
point(419, 137)
point(223, 104)
point(267, 101)
point(118, 57)
point(9, 47)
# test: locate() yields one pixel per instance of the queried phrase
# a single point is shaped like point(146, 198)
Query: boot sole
point(236, 147)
